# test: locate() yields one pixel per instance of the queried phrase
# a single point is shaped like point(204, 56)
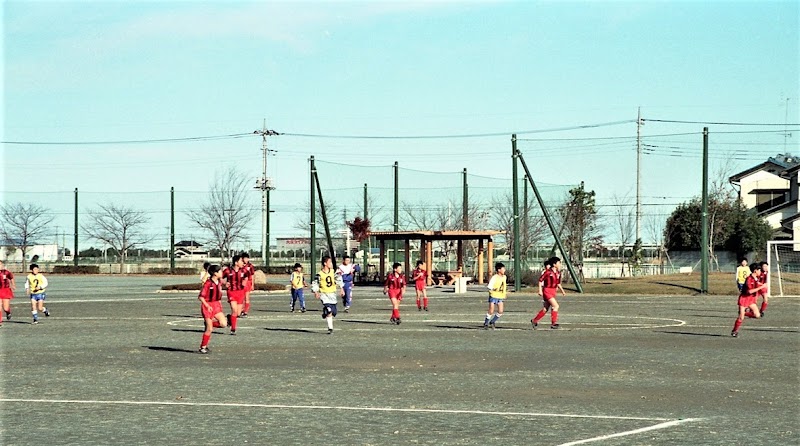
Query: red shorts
point(216, 308)
point(746, 301)
point(548, 293)
point(236, 296)
point(6, 293)
point(395, 294)
point(419, 285)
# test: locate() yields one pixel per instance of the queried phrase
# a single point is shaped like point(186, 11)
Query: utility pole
point(264, 184)
point(639, 124)
point(704, 219)
point(515, 202)
point(75, 254)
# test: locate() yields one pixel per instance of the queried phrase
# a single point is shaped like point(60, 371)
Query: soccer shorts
point(6, 293)
point(740, 286)
point(419, 285)
point(494, 300)
point(395, 294)
point(746, 301)
point(328, 309)
point(216, 308)
point(38, 296)
point(548, 293)
point(236, 296)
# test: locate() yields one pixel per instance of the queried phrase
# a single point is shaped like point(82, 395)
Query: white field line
point(632, 432)
point(303, 407)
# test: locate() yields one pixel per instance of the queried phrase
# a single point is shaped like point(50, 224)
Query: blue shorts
point(38, 296)
point(328, 309)
point(740, 285)
point(494, 300)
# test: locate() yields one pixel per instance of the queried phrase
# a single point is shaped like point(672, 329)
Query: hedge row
point(80, 269)
point(177, 272)
point(197, 286)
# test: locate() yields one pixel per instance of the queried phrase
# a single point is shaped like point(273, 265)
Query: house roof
point(773, 209)
point(790, 171)
point(769, 190)
point(774, 164)
point(188, 243)
point(790, 219)
point(434, 235)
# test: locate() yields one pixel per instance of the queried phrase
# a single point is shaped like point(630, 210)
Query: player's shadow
point(687, 333)
point(292, 330)
point(464, 327)
point(168, 349)
point(776, 330)
point(189, 330)
point(188, 316)
point(17, 321)
point(355, 321)
point(707, 315)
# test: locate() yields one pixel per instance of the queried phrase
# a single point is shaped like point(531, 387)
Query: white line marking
point(633, 432)
point(351, 408)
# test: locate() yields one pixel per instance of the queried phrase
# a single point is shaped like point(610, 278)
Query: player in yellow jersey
point(497, 295)
point(35, 287)
point(324, 288)
point(298, 283)
point(742, 272)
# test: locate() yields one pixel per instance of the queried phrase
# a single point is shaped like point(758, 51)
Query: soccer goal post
point(784, 265)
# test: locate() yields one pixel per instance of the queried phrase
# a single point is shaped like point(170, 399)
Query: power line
point(455, 136)
point(130, 141)
point(672, 121)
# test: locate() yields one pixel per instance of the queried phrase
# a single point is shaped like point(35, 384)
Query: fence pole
point(515, 191)
point(704, 219)
point(313, 221)
point(172, 230)
point(75, 254)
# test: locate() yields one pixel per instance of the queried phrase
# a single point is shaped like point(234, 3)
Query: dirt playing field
point(116, 363)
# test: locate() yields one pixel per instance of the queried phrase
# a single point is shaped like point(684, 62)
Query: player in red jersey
point(235, 280)
point(549, 284)
point(764, 280)
point(748, 297)
point(211, 305)
point(420, 276)
point(395, 286)
point(250, 285)
point(7, 287)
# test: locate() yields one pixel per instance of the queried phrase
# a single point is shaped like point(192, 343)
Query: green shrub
point(197, 286)
point(80, 269)
point(178, 271)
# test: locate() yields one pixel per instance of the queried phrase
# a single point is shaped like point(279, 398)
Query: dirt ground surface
point(116, 363)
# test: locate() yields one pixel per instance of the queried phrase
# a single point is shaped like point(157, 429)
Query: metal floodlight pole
point(75, 254)
point(704, 219)
point(365, 268)
point(172, 230)
point(331, 252)
point(396, 209)
point(550, 225)
point(313, 220)
point(465, 202)
point(515, 193)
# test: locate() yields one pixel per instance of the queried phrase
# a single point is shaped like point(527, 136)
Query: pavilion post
point(382, 265)
point(480, 261)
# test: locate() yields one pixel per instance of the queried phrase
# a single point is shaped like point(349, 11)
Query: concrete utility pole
point(639, 124)
point(264, 184)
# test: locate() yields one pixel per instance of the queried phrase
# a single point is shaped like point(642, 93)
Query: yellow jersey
point(497, 287)
point(296, 280)
point(741, 274)
point(36, 283)
point(327, 281)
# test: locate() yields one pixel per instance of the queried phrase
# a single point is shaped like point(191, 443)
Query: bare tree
point(22, 225)
point(654, 226)
point(225, 214)
point(532, 232)
point(119, 227)
point(624, 221)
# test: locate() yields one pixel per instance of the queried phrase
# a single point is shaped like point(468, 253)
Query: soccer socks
point(750, 314)
point(763, 306)
point(737, 324)
point(395, 314)
point(539, 316)
point(233, 322)
point(206, 338)
point(329, 320)
point(495, 318)
point(486, 320)
point(247, 307)
point(215, 324)
point(35, 315)
point(419, 304)
point(553, 317)
point(425, 302)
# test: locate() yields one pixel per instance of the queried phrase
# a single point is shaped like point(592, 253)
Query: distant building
point(46, 253)
point(771, 188)
point(190, 250)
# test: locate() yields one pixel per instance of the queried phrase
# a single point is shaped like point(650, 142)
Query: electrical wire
point(131, 141)
point(672, 121)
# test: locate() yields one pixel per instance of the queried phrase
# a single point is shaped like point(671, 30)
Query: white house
point(190, 250)
point(771, 188)
point(46, 253)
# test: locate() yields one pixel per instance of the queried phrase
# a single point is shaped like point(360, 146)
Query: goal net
point(784, 267)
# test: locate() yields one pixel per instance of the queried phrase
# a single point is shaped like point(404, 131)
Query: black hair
point(419, 262)
point(763, 264)
point(345, 257)
point(244, 255)
point(297, 265)
point(212, 269)
point(395, 265)
point(33, 265)
point(547, 263)
point(498, 265)
point(325, 260)
point(743, 259)
point(206, 265)
point(553, 260)
point(755, 266)
point(235, 259)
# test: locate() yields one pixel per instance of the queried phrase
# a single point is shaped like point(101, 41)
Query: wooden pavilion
point(426, 239)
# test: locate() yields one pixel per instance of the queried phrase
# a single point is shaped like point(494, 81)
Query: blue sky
point(90, 71)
